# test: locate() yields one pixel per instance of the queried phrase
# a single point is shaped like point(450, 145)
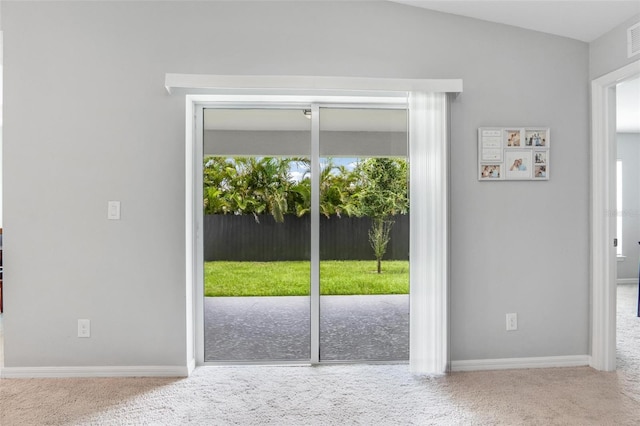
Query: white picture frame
point(513, 153)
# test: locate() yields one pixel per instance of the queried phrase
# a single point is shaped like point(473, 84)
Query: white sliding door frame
point(603, 222)
point(196, 271)
point(430, 144)
point(315, 234)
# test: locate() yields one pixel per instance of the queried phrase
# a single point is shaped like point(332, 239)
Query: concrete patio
point(277, 328)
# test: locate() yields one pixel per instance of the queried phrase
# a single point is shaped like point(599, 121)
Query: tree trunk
point(379, 265)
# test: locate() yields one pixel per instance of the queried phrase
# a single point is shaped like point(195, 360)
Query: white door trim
point(603, 207)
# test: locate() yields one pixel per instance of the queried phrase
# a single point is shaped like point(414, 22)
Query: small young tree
point(382, 195)
point(379, 237)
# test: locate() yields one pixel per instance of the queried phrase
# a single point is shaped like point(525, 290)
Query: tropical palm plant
point(337, 189)
point(251, 185)
point(376, 188)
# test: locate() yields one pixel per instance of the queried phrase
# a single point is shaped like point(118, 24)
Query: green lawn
point(291, 278)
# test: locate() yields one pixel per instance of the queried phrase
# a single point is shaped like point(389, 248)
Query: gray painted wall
point(629, 153)
point(609, 52)
point(87, 120)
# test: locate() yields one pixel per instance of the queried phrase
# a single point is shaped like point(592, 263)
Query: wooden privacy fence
point(241, 238)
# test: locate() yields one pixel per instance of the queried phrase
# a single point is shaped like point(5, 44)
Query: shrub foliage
point(374, 187)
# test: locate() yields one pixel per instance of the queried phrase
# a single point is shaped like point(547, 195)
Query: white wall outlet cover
point(512, 322)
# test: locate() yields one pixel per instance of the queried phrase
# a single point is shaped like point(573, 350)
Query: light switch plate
point(113, 210)
point(84, 328)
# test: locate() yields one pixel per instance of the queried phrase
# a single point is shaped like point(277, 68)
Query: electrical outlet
point(84, 328)
point(512, 322)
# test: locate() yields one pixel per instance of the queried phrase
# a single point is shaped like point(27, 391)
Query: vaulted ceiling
point(577, 19)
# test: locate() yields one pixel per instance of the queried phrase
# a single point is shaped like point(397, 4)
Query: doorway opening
point(603, 222)
point(305, 233)
point(627, 142)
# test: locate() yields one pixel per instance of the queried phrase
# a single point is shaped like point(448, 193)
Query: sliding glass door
point(364, 234)
point(256, 198)
point(262, 168)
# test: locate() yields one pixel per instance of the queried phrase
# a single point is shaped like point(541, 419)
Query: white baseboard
point(627, 281)
point(126, 371)
point(514, 363)
point(177, 371)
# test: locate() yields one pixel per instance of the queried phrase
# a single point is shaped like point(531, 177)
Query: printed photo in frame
point(491, 172)
point(540, 172)
point(540, 157)
point(536, 138)
point(518, 164)
point(512, 138)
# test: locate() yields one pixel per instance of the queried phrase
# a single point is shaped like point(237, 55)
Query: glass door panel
point(256, 234)
point(364, 235)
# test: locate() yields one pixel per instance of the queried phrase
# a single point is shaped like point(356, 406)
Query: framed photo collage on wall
point(513, 153)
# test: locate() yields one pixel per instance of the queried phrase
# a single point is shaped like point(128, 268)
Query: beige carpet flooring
point(339, 394)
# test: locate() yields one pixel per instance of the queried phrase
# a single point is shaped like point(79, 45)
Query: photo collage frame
point(513, 153)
